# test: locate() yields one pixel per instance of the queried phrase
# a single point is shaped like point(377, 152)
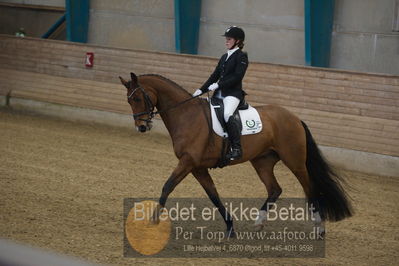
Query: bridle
point(150, 106)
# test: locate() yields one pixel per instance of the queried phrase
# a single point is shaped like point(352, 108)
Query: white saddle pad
point(250, 119)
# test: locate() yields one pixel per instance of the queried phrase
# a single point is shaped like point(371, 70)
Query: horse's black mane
point(165, 79)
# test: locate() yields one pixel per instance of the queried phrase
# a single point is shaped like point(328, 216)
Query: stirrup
point(234, 154)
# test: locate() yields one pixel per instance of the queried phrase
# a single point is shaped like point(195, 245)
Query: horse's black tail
point(327, 193)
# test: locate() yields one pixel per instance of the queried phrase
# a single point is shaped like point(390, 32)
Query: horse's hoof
point(154, 220)
point(260, 221)
point(258, 227)
point(322, 234)
point(230, 234)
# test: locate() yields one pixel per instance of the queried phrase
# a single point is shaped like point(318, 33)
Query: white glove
point(197, 92)
point(213, 87)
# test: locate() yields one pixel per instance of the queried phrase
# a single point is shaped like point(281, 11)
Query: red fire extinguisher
point(89, 59)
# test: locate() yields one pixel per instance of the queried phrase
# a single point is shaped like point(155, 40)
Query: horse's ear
point(133, 77)
point(124, 82)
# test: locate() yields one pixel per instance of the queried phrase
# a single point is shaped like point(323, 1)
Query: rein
point(150, 107)
point(178, 104)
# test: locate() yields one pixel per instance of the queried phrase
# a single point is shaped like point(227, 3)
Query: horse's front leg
point(203, 177)
point(181, 171)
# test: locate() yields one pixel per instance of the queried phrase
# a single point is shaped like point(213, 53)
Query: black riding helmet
point(234, 32)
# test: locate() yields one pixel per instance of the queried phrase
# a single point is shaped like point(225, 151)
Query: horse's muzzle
point(142, 128)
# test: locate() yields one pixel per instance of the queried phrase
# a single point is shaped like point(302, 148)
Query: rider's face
point(230, 42)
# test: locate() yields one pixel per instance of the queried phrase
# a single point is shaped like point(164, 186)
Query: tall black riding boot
point(233, 129)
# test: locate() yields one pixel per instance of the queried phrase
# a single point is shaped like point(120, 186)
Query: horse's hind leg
point(203, 177)
point(264, 166)
point(296, 162)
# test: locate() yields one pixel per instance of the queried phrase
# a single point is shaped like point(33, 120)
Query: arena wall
point(345, 110)
point(365, 33)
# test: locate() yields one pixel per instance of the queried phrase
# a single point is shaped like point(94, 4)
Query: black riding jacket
point(229, 74)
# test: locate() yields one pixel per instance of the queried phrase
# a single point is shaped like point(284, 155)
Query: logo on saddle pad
point(250, 120)
point(250, 123)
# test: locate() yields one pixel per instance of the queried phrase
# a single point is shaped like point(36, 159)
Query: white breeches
point(230, 105)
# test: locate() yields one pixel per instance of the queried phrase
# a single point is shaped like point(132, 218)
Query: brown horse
point(283, 137)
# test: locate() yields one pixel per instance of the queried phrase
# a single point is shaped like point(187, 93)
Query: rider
point(226, 81)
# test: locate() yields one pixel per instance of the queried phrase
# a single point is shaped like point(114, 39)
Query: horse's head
point(142, 101)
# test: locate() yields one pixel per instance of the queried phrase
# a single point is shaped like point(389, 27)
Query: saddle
point(245, 116)
point(218, 106)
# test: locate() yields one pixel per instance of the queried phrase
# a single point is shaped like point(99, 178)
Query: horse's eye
point(136, 99)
